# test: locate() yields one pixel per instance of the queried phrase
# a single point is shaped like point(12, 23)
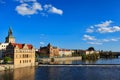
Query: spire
point(10, 32)
point(49, 45)
point(10, 38)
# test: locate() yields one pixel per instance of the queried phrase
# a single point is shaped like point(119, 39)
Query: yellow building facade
point(23, 55)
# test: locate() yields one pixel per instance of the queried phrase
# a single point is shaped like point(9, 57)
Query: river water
point(66, 72)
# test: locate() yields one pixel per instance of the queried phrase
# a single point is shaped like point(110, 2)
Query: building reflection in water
point(62, 62)
point(6, 75)
point(27, 73)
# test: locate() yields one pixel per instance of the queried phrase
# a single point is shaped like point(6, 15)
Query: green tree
point(7, 59)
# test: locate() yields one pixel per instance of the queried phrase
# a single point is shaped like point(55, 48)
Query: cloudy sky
point(71, 24)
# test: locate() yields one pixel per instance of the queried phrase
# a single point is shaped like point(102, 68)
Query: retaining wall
point(6, 67)
point(61, 59)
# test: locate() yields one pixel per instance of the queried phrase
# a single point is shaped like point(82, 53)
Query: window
point(20, 61)
point(23, 55)
point(27, 55)
point(29, 60)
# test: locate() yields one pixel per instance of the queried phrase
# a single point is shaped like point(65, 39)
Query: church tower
point(10, 38)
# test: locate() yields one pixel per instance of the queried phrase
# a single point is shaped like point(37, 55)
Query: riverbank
point(85, 65)
point(60, 59)
point(4, 67)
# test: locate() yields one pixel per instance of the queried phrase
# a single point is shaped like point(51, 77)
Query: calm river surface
point(66, 72)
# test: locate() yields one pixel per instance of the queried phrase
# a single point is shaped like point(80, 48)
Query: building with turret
point(23, 55)
point(8, 39)
point(49, 51)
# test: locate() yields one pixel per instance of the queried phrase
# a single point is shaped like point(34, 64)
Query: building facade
point(23, 55)
point(8, 39)
point(3, 49)
point(87, 52)
point(49, 51)
point(65, 52)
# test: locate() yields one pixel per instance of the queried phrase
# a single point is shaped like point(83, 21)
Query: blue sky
point(70, 24)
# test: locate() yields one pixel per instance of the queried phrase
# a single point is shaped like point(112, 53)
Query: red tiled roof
point(21, 45)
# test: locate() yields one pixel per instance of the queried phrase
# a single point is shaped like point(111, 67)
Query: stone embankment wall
point(6, 67)
point(61, 59)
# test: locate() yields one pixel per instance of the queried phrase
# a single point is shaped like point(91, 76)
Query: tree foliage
point(7, 59)
point(93, 56)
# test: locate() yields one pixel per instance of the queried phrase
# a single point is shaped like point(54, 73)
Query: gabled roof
point(20, 46)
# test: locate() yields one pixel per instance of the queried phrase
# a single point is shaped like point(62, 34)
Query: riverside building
point(22, 54)
point(49, 51)
point(8, 40)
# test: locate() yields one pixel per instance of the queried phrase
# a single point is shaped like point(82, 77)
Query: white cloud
point(115, 40)
point(42, 43)
point(89, 30)
point(51, 9)
point(37, 6)
point(26, 9)
point(105, 30)
point(101, 41)
point(30, 7)
point(87, 37)
point(22, 1)
point(116, 28)
point(96, 43)
point(108, 29)
point(103, 27)
point(104, 24)
point(109, 40)
point(105, 40)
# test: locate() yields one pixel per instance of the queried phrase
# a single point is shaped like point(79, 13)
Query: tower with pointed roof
point(10, 38)
point(49, 45)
